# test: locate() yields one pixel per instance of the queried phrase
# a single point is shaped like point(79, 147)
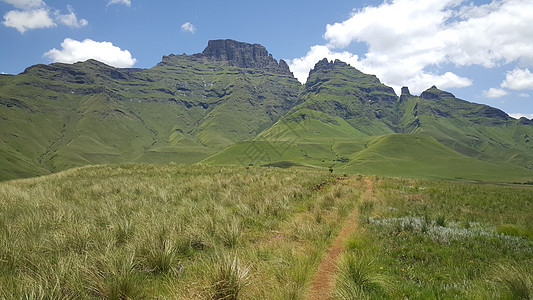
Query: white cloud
point(518, 79)
point(34, 14)
point(188, 27)
point(25, 4)
point(520, 115)
point(27, 20)
point(424, 80)
point(73, 51)
point(495, 93)
point(125, 2)
point(70, 19)
point(408, 38)
point(301, 66)
point(523, 95)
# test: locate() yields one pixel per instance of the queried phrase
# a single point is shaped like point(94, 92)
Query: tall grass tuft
point(229, 279)
point(359, 277)
point(160, 256)
point(116, 278)
point(517, 281)
point(231, 233)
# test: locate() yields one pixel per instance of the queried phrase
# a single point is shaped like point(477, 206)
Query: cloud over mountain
point(519, 79)
point(408, 40)
point(73, 51)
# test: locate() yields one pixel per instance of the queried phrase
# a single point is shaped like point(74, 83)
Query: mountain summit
point(237, 54)
point(244, 55)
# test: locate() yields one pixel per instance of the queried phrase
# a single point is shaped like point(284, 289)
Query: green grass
point(168, 231)
point(404, 155)
point(448, 240)
point(182, 232)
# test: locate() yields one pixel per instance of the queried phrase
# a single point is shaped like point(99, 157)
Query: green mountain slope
point(403, 155)
point(473, 129)
point(421, 156)
point(350, 121)
point(184, 109)
point(235, 104)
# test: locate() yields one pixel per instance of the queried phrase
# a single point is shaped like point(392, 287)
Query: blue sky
point(481, 51)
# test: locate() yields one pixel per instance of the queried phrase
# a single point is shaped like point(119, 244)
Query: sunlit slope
point(231, 105)
point(422, 156)
point(408, 155)
point(475, 130)
point(58, 116)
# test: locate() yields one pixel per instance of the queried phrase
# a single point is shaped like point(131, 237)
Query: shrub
point(441, 220)
point(366, 207)
point(231, 233)
point(514, 230)
point(160, 257)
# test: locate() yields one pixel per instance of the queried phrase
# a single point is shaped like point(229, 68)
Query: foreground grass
point(426, 239)
point(204, 232)
point(168, 231)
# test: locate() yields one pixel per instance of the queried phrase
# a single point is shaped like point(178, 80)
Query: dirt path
point(324, 281)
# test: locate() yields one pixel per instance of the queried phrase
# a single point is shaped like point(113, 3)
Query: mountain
point(350, 121)
point(234, 103)
point(59, 116)
point(475, 130)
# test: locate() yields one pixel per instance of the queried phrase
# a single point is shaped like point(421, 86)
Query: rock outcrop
point(434, 93)
point(237, 54)
point(405, 94)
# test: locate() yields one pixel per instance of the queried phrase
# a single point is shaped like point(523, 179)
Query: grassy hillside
point(404, 155)
point(351, 122)
point(59, 116)
point(245, 109)
point(421, 156)
point(209, 232)
point(475, 130)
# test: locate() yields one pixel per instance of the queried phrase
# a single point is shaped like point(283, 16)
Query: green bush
point(514, 230)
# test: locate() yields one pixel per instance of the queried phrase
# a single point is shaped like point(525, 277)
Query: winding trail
point(323, 282)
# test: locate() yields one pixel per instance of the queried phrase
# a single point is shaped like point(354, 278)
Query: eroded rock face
point(325, 65)
point(434, 93)
point(235, 54)
point(243, 55)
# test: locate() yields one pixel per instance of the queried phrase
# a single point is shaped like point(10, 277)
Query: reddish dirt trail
point(324, 281)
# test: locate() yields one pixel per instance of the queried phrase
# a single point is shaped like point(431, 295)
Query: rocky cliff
point(237, 54)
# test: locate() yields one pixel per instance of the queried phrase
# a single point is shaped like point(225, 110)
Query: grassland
point(173, 232)
point(430, 239)
point(404, 155)
point(197, 232)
